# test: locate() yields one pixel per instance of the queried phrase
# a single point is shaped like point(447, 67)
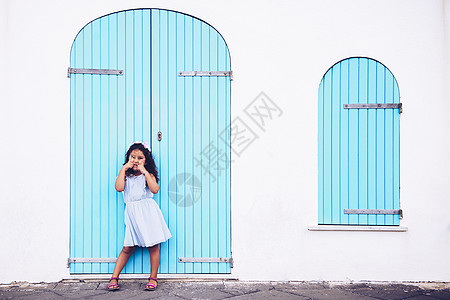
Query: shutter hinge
point(374, 212)
point(374, 105)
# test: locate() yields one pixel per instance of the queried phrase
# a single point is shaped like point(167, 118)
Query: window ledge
point(357, 228)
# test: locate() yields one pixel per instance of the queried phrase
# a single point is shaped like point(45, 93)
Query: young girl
point(145, 225)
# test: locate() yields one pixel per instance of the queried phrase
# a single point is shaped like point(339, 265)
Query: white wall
point(282, 48)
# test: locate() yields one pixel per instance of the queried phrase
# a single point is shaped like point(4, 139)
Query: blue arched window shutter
point(359, 108)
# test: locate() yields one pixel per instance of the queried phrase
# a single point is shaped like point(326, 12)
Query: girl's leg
point(154, 262)
point(122, 261)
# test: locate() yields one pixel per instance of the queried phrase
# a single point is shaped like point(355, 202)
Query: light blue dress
point(145, 225)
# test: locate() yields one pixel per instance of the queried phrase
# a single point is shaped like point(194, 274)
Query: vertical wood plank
point(96, 134)
point(146, 114)
point(172, 136)
point(214, 155)
point(362, 139)
point(113, 157)
point(381, 132)
point(198, 146)
point(227, 212)
point(344, 141)
point(335, 137)
point(181, 135)
point(104, 184)
point(189, 153)
point(396, 153)
point(207, 177)
point(372, 133)
point(87, 154)
point(321, 154)
point(138, 116)
point(327, 197)
point(389, 159)
point(121, 136)
point(353, 168)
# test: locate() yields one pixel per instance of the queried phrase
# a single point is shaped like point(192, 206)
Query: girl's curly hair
point(149, 161)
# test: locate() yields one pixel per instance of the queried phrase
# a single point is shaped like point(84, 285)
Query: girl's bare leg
point(122, 261)
point(154, 262)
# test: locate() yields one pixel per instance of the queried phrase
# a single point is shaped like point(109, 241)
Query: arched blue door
point(129, 82)
point(359, 107)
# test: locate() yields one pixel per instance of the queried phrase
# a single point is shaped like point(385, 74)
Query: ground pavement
point(225, 289)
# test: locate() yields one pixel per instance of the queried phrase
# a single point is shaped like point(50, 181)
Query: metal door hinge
point(206, 73)
point(94, 71)
point(373, 105)
point(206, 260)
point(90, 260)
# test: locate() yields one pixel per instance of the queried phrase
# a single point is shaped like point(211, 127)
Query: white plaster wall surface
point(282, 48)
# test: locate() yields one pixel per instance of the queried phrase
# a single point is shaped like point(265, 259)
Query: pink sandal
point(113, 286)
point(151, 286)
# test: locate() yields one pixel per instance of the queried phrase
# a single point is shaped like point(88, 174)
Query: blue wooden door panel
point(192, 111)
point(108, 112)
point(358, 148)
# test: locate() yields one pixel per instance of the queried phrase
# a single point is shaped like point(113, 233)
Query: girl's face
point(136, 158)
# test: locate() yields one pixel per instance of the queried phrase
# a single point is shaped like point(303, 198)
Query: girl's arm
point(120, 181)
point(151, 182)
point(150, 178)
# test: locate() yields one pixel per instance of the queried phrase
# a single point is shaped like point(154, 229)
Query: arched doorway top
point(151, 9)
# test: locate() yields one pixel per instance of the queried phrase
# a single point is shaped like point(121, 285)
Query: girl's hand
point(128, 165)
point(141, 167)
